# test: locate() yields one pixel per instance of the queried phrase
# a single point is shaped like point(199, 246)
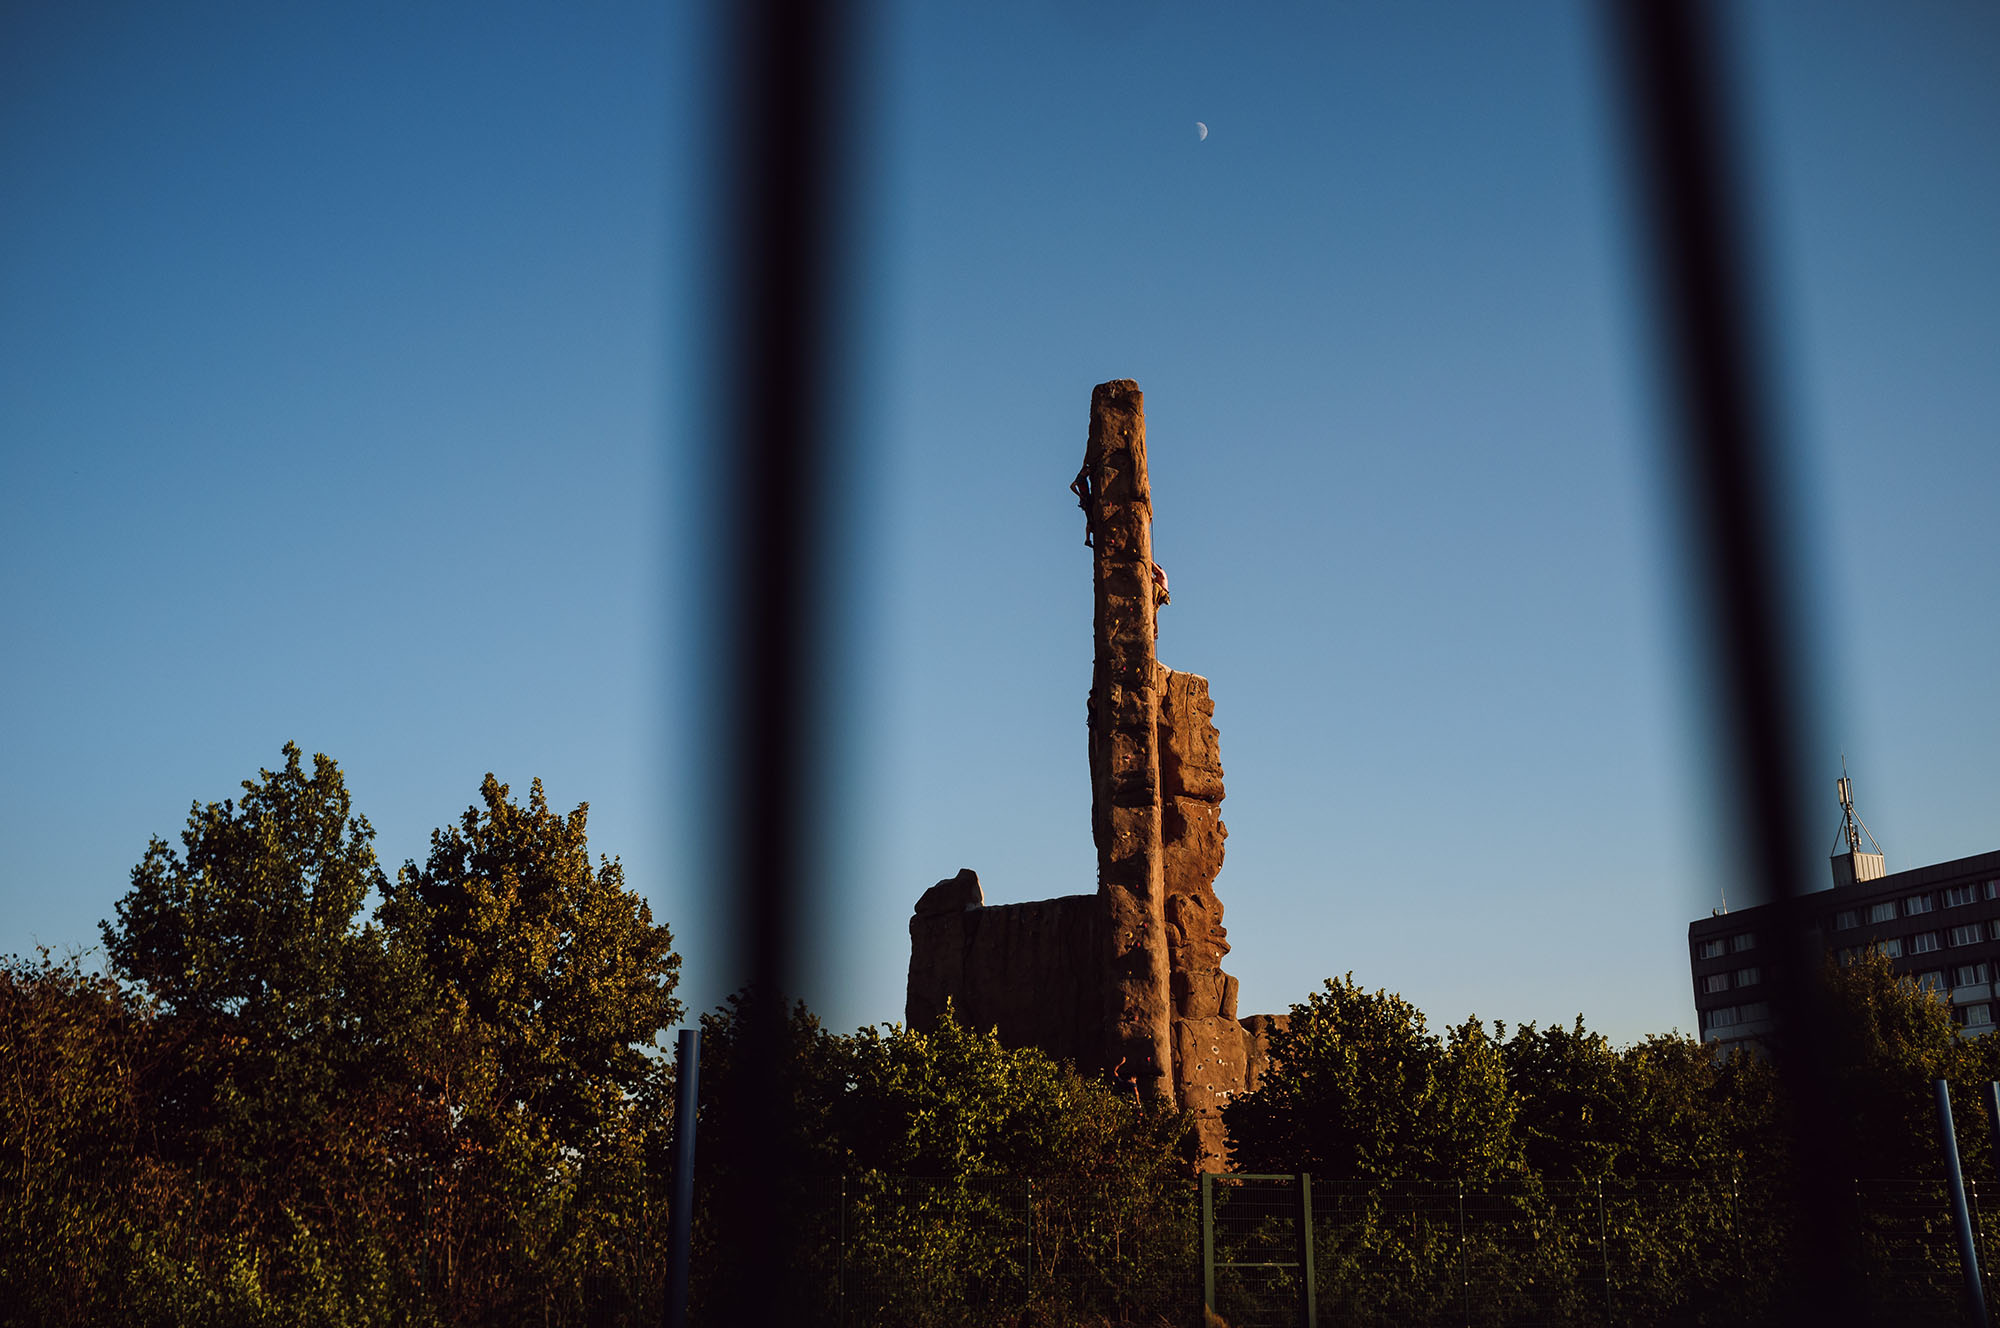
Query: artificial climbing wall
point(1127, 982)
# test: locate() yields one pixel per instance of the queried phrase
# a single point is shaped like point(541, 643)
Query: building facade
point(1939, 925)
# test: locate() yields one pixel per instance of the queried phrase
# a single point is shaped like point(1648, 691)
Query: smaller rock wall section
point(1034, 972)
point(1210, 1047)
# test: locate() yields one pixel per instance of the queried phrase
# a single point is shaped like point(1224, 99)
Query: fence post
point(1993, 1122)
point(1208, 1245)
point(424, 1237)
point(1978, 1230)
point(680, 1218)
point(1968, 1256)
point(1028, 1263)
point(1861, 1241)
point(1736, 1226)
point(1604, 1251)
point(1308, 1285)
point(1464, 1273)
point(840, 1264)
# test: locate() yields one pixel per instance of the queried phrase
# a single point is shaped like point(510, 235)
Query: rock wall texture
point(1124, 712)
point(1126, 982)
point(1030, 970)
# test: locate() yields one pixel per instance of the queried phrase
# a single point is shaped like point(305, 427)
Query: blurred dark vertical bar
point(680, 1218)
point(784, 102)
point(1673, 75)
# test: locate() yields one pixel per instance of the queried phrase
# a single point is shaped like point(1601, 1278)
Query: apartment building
point(1939, 925)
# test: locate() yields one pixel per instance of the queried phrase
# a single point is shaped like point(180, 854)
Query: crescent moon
point(1200, 132)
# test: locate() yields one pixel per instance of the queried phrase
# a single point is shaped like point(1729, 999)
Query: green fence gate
point(1257, 1250)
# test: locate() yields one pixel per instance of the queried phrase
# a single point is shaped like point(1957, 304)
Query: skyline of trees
point(282, 1106)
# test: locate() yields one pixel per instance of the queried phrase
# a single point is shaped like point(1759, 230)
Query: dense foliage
point(282, 1108)
point(278, 1110)
point(1563, 1174)
point(932, 1175)
point(1362, 1090)
point(310, 1093)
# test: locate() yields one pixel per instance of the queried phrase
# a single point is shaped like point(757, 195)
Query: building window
point(1993, 889)
point(1968, 975)
point(1993, 928)
point(1846, 918)
point(1960, 895)
point(1749, 977)
point(1926, 941)
point(1891, 948)
point(1883, 912)
point(1715, 982)
point(1753, 1011)
point(1966, 935)
point(1931, 981)
point(1916, 904)
point(1978, 1016)
point(1743, 941)
point(1722, 1016)
point(1709, 949)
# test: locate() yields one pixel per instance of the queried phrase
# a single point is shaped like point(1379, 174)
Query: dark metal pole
point(1978, 1230)
point(1308, 1285)
point(1208, 1245)
point(1993, 1122)
point(1968, 1253)
point(680, 1217)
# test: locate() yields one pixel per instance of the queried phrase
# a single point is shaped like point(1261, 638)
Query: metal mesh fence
point(1022, 1252)
point(1556, 1254)
point(937, 1253)
point(1909, 1264)
point(1254, 1265)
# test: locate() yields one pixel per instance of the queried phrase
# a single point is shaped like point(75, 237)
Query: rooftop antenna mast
point(1852, 828)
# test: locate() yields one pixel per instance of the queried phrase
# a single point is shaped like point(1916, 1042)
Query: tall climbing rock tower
point(1124, 713)
point(1127, 982)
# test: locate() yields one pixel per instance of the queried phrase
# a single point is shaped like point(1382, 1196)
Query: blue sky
point(351, 391)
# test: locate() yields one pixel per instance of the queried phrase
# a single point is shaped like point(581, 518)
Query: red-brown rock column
point(1124, 744)
point(1209, 1048)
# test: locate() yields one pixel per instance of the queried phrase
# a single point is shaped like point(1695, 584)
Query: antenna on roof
point(1853, 864)
point(1851, 826)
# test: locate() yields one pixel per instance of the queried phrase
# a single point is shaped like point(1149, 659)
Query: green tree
point(273, 1099)
point(957, 1102)
point(536, 1102)
point(549, 967)
point(1690, 1113)
point(250, 942)
point(1895, 1039)
point(74, 1049)
point(1474, 1137)
point(1360, 1089)
point(257, 921)
point(931, 1158)
point(1572, 1119)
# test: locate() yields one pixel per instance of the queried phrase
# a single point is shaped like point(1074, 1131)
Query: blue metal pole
point(1968, 1254)
point(1993, 1121)
point(680, 1217)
